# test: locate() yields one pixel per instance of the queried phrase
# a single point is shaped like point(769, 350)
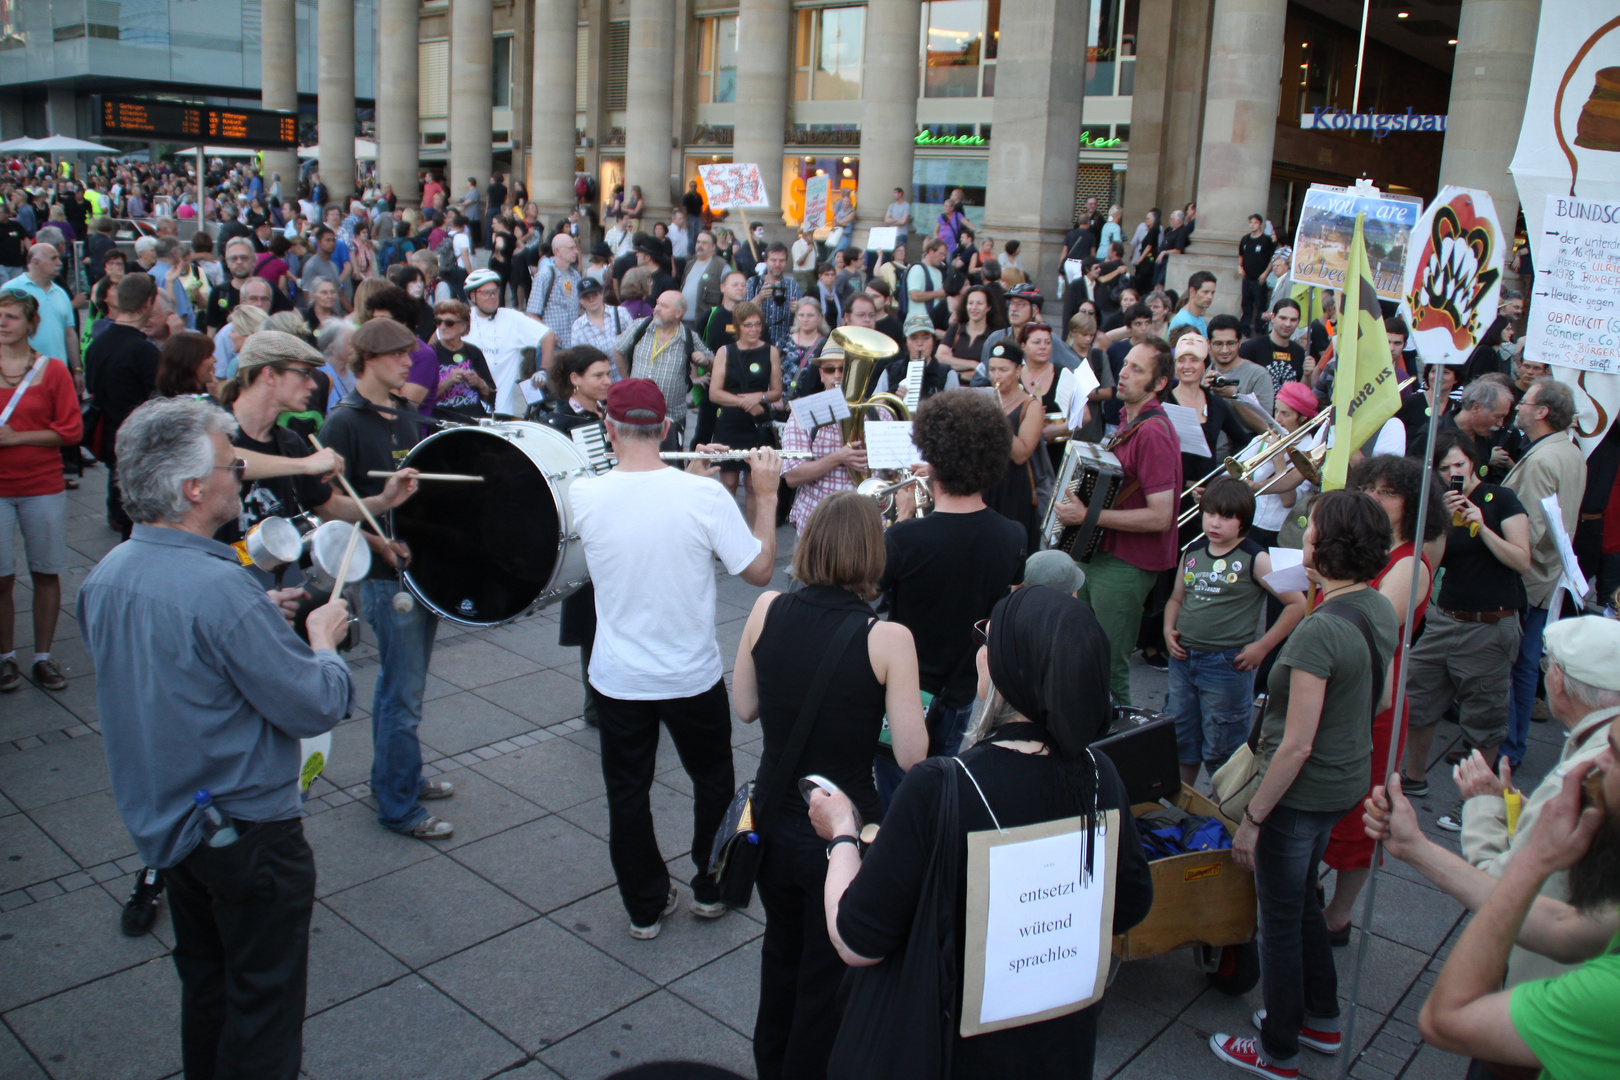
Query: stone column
point(763, 77)
point(335, 27)
point(1490, 78)
point(1240, 128)
point(1150, 105)
point(1035, 142)
point(472, 45)
point(649, 128)
point(399, 129)
point(551, 143)
point(278, 82)
point(888, 108)
point(1184, 103)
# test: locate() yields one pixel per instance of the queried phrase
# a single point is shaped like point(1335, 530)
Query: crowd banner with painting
point(1567, 170)
point(1453, 275)
point(815, 200)
point(734, 186)
point(1327, 223)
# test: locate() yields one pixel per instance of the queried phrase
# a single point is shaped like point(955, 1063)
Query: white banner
point(733, 186)
point(815, 200)
point(1453, 275)
point(1575, 301)
point(1570, 146)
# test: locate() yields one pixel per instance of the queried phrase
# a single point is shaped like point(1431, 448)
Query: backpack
point(446, 251)
point(582, 188)
point(641, 332)
point(396, 250)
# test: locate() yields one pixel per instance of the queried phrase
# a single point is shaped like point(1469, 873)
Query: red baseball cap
point(636, 401)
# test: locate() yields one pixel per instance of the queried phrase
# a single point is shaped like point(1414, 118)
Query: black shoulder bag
point(735, 854)
point(900, 1015)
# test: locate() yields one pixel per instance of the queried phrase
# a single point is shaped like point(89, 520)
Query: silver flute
point(735, 455)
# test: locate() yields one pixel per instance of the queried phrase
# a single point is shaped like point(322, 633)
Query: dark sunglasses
point(238, 468)
point(448, 322)
point(981, 632)
point(832, 369)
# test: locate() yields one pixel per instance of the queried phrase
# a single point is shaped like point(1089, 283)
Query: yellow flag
point(1365, 392)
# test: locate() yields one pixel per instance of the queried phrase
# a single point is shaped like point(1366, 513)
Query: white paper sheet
point(1251, 399)
point(882, 238)
point(1085, 382)
point(889, 445)
point(1287, 570)
point(1042, 938)
point(1572, 579)
point(819, 410)
point(1188, 429)
point(531, 393)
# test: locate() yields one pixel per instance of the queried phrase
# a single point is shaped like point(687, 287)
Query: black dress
point(875, 915)
point(800, 971)
point(748, 371)
point(1013, 496)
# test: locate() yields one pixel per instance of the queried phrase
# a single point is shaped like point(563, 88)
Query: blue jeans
point(1526, 671)
point(1213, 705)
point(946, 726)
point(1297, 978)
point(405, 642)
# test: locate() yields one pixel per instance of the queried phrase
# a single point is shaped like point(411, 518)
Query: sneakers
point(48, 675)
point(1323, 1042)
point(10, 676)
point(1452, 822)
point(707, 911)
point(431, 828)
point(1245, 1054)
point(1158, 661)
point(1538, 711)
point(436, 789)
point(1414, 789)
point(140, 910)
point(647, 933)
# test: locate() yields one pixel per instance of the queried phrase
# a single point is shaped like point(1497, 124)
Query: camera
point(1223, 380)
point(779, 292)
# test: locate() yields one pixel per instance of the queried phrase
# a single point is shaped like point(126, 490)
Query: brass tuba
point(862, 349)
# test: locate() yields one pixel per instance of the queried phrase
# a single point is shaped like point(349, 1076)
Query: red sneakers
point(1245, 1054)
point(1323, 1042)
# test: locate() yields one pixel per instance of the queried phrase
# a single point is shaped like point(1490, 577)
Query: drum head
point(326, 550)
point(481, 554)
point(274, 543)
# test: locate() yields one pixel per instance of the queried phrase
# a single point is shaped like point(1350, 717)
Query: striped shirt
point(828, 439)
point(585, 332)
point(555, 300)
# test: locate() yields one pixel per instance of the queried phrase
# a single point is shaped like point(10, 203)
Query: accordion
point(1094, 475)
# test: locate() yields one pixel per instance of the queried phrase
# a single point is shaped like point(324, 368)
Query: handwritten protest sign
point(732, 186)
point(1327, 224)
point(1575, 315)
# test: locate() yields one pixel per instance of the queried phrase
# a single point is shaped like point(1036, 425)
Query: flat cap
point(1587, 649)
point(380, 335)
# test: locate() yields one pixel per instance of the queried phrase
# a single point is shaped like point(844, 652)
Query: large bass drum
point(485, 554)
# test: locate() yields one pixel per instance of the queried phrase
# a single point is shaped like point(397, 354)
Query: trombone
point(1243, 470)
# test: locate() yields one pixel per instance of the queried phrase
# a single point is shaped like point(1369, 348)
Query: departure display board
point(211, 125)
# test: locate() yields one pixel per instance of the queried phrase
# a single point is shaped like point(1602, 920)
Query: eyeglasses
point(981, 632)
point(451, 322)
point(238, 468)
point(304, 372)
point(1380, 492)
point(832, 369)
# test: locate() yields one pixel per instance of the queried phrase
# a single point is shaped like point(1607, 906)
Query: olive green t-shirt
point(1338, 773)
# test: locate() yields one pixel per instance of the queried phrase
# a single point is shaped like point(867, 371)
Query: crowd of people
point(284, 361)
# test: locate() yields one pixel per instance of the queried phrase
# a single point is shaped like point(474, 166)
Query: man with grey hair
point(654, 659)
point(240, 261)
point(662, 348)
point(204, 692)
point(1480, 414)
point(146, 252)
point(1552, 465)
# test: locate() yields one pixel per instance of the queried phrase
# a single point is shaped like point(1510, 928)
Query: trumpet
point(734, 455)
point(883, 494)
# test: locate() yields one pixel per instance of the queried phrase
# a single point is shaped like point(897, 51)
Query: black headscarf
point(1049, 659)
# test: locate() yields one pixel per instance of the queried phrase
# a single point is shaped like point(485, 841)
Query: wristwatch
point(860, 848)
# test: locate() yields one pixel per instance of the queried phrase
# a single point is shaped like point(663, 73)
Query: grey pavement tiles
point(505, 951)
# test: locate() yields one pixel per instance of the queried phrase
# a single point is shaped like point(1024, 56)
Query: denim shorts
point(1213, 706)
point(43, 520)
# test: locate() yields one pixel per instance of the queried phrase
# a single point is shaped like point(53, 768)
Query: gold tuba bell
point(862, 349)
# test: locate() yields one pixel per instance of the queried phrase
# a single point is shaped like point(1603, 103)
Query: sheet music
point(819, 410)
point(1287, 570)
point(1253, 400)
point(889, 445)
point(1188, 429)
point(1085, 382)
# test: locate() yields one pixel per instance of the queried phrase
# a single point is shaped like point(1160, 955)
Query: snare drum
point(485, 554)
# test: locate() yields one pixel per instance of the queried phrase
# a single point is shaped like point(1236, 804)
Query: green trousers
point(1117, 592)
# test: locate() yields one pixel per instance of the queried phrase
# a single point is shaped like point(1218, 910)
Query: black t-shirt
point(1176, 239)
point(281, 496)
point(1081, 243)
point(1474, 580)
point(891, 326)
point(718, 330)
point(1254, 255)
point(875, 916)
point(13, 244)
point(462, 399)
point(1285, 363)
point(121, 366)
point(222, 300)
point(369, 440)
point(945, 572)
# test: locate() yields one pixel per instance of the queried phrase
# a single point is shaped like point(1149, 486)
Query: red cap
point(636, 401)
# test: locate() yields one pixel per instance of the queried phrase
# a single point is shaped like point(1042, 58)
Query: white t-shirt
point(650, 538)
point(461, 244)
point(804, 254)
point(502, 339)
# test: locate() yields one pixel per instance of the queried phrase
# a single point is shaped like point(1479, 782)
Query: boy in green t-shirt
point(1211, 625)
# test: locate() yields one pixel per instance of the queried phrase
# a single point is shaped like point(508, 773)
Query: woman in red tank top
point(1395, 482)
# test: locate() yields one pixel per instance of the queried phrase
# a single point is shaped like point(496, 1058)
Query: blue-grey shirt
point(201, 684)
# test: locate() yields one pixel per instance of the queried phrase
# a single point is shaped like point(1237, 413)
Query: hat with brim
point(589, 286)
point(1054, 569)
point(268, 347)
point(380, 335)
point(918, 323)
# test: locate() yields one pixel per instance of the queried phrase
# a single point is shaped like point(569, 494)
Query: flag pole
point(1397, 725)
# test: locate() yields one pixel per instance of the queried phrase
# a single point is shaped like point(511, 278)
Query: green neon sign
point(928, 138)
point(1099, 144)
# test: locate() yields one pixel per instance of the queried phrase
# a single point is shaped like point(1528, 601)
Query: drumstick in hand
point(344, 480)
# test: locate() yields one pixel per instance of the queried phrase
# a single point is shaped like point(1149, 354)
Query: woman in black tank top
point(839, 561)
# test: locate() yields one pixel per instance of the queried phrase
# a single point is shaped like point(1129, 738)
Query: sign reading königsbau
point(1379, 124)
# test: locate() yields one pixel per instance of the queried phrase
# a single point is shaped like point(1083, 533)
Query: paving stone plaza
point(505, 951)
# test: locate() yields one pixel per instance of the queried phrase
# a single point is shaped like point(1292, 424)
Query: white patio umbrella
point(61, 144)
point(17, 146)
point(217, 151)
point(364, 150)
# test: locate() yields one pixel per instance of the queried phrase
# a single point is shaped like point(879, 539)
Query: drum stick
point(344, 480)
point(348, 556)
point(382, 474)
